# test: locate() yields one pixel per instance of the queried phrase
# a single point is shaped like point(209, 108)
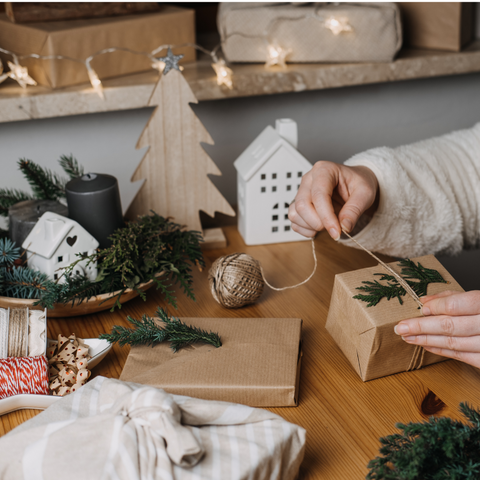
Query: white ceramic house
point(269, 172)
point(53, 244)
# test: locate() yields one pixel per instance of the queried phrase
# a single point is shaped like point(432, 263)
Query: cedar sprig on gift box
point(147, 331)
point(417, 276)
point(439, 449)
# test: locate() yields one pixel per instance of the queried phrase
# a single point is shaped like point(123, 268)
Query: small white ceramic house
point(269, 172)
point(53, 244)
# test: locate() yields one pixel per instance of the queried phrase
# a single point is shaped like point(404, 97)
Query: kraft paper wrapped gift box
point(258, 363)
point(365, 334)
point(246, 29)
point(438, 25)
point(81, 38)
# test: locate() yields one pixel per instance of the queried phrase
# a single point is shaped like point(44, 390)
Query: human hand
point(451, 327)
point(328, 190)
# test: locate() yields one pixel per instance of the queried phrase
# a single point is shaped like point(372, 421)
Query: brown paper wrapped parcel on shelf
point(438, 25)
point(376, 34)
point(365, 334)
point(258, 363)
point(81, 38)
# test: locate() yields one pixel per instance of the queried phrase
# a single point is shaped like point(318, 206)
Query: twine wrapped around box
point(318, 32)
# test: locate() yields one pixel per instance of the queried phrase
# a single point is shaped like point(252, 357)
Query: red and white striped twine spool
point(23, 375)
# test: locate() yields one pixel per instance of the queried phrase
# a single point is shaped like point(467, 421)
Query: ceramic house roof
point(50, 231)
point(260, 151)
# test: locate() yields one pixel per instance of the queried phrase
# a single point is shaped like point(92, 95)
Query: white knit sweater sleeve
point(429, 196)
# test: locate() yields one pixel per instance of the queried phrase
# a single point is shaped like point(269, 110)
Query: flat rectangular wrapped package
point(365, 334)
point(79, 39)
point(258, 363)
point(246, 29)
point(438, 25)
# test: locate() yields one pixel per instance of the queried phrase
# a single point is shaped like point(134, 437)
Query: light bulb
point(224, 74)
point(96, 83)
point(338, 25)
point(20, 75)
point(276, 55)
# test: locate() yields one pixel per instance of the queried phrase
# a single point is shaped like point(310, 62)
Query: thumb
point(353, 209)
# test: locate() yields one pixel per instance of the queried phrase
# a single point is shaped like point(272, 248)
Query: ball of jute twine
point(236, 280)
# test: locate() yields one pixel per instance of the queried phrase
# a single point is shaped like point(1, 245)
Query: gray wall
point(333, 125)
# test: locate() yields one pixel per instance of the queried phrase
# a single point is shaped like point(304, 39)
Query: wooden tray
point(95, 304)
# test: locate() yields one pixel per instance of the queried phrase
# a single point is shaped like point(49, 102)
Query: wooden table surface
point(343, 416)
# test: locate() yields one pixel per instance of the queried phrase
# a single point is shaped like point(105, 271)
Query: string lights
point(276, 55)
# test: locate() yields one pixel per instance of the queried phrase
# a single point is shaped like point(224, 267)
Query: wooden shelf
point(133, 91)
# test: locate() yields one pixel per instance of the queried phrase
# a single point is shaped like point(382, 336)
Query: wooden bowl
point(95, 304)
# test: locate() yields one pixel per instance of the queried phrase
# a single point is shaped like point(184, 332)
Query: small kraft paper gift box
point(79, 39)
point(318, 32)
point(365, 334)
point(258, 363)
point(438, 25)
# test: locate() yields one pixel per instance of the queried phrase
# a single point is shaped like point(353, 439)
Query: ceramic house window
point(299, 174)
point(287, 228)
point(286, 216)
point(275, 206)
point(274, 229)
point(274, 176)
point(289, 187)
point(274, 217)
point(263, 176)
point(274, 189)
point(289, 174)
point(60, 259)
point(263, 189)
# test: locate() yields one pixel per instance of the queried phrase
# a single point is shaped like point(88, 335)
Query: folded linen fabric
point(129, 431)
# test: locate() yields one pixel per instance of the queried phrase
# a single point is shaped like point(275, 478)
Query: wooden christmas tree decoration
point(175, 167)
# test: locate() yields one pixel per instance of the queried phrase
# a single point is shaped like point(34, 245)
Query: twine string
point(298, 284)
point(416, 361)
point(18, 332)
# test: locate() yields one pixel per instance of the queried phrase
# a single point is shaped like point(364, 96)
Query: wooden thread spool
point(236, 280)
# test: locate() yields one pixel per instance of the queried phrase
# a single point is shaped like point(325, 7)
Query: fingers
point(456, 304)
point(446, 293)
point(458, 344)
point(466, 357)
point(465, 326)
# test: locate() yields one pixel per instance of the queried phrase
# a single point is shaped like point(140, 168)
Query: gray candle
point(94, 202)
point(23, 216)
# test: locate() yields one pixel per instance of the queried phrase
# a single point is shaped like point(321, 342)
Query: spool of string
point(238, 279)
point(23, 375)
point(18, 332)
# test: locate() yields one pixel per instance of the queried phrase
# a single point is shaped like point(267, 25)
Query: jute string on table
point(416, 361)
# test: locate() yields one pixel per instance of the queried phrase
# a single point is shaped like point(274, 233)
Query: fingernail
point(409, 339)
point(426, 311)
point(334, 234)
point(401, 329)
point(347, 225)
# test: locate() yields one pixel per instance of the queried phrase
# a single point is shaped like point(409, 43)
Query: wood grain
point(343, 416)
point(176, 166)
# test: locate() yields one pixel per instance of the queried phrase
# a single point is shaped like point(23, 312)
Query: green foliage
point(417, 276)
point(141, 251)
point(439, 449)
point(147, 331)
point(8, 252)
point(9, 197)
point(45, 184)
point(71, 167)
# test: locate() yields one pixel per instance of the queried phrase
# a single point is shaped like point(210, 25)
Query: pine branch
point(71, 167)
point(179, 334)
point(45, 184)
point(147, 332)
point(375, 291)
point(8, 252)
point(9, 197)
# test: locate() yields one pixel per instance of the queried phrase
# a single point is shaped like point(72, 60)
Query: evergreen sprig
point(439, 449)
point(147, 331)
point(71, 166)
point(141, 251)
point(9, 197)
point(8, 252)
point(417, 276)
point(45, 183)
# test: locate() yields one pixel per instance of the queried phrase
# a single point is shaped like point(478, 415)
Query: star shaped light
point(224, 74)
point(276, 56)
point(171, 61)
point(338, 25)
point(20, 75)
